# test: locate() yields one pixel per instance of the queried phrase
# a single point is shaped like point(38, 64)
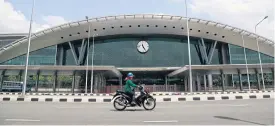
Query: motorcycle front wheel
point(120, 103)
point(149, 103)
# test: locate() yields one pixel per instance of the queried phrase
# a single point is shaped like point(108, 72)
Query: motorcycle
point(122, 100)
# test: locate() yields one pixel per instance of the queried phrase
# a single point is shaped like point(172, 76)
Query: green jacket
point(128, 85)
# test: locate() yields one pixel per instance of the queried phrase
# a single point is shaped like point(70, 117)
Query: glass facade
point(163, 52)
point(45, 56)
point(237, 56)
point(121, 51)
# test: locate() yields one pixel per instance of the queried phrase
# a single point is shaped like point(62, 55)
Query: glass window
point(45, 56)
point(163, 52)
point(237, 56)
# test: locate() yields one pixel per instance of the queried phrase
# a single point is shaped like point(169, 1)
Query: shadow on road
point(128, 110)
point(229, 118)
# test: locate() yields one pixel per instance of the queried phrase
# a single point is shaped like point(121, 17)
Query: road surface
point(241, 112)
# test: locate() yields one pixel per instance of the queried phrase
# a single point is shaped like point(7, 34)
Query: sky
point(245, 14)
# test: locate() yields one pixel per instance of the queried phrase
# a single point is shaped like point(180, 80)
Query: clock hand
point(143, 47)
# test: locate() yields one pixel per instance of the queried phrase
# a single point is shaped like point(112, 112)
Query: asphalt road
point(241, 112)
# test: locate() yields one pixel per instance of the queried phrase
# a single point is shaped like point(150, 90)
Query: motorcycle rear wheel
point(118, 101)
point(145, 102)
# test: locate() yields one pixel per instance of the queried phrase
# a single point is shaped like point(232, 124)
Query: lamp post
point(247, 74)
point(189, 53)
point(92, 76)
point(28, 53)
point(259, 51)
point(87, 58)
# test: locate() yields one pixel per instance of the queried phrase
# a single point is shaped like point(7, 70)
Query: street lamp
point(28, 53)
point(259, 51)
point(92, 75)
point(247, 74)
point(87, 58)
point(189, 53)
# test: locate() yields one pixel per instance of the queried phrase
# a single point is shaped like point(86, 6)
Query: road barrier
point(102, 99)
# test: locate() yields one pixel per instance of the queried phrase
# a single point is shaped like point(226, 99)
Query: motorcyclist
point(128, 87)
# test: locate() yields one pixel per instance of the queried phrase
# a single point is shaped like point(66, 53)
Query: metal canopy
point(225, 68)
point(108, 70)
point(139, 16)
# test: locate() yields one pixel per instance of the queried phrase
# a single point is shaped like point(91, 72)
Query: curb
point(153, 93)
point(100, 99)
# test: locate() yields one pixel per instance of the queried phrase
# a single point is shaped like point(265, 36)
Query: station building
point(153, 47)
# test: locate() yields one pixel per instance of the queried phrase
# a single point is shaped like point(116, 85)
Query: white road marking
point(239, 105)
point(167, 121)
point(64, 107)
point(22, 120)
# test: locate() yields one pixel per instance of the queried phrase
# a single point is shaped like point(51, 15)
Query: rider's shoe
point(133, 103)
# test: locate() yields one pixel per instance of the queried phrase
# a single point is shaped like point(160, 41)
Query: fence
point(150, 88)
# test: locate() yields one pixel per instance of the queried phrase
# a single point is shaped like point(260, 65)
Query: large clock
point(143, 46)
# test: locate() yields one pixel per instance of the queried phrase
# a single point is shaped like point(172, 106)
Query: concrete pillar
point(104, 84)
point(95, 82)
point(198, 83)
point(210, 81)
point(2, 79)
point(258, 80)
point(204, 81)
point(223, 79)
point(54, 81)
point(240, 80)
point(166, 81)
point(120, 83)
point(185, 84)
point(73, 82)
point(61, 55)
point(37, 81)
point(189, 84)
point(194, 85)
point(20, 75)
point(272, 77)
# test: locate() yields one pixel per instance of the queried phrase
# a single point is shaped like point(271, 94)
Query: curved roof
point(112, 25)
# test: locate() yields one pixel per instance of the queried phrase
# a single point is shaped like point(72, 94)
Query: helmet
point(130, 74)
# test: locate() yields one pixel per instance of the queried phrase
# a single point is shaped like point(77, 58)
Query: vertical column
point(120, 83)
point(194, 85)
point(55, 81)
point(101, 83)
point(104, 84)
point(272, 77)
point(95, 82)
point(258, 79)
point(61, 55)
point(223, 79)
point(20, 75)
point(73, 82)
point(37, 81)
point(210, 81)
point(189, 85)
point(2, 79)
point(240, 80)
point(185, 84)
point(198, 83)
point(204, 81)
point(166, 83)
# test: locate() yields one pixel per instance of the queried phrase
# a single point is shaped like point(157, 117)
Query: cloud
point(14, 21)
point(244, 14)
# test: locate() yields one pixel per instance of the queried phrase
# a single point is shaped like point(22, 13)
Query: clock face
point(143, 46)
